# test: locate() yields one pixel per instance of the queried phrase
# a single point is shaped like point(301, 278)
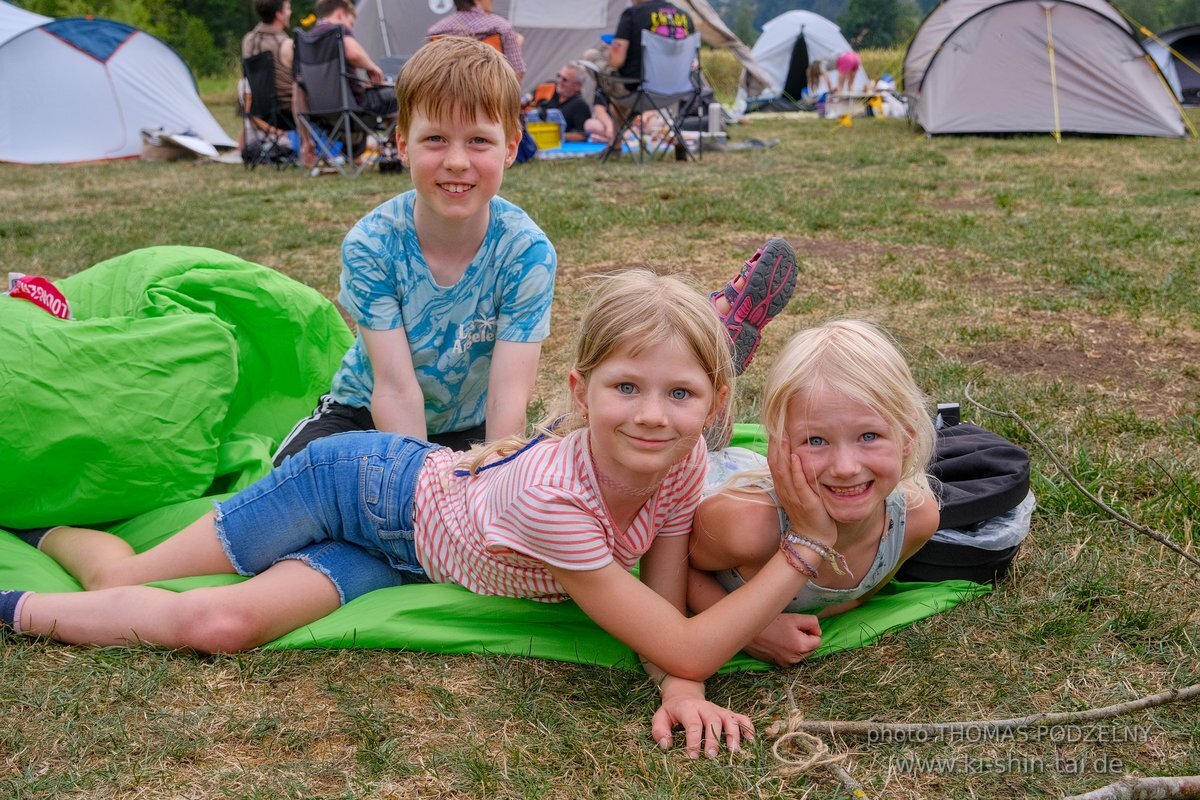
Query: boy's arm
point(510, 387)
point(397, 403)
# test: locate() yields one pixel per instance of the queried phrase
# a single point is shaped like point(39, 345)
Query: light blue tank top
point(814, 597)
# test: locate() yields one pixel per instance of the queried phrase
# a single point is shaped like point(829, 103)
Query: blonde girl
point(616, 479)
point(842, 402)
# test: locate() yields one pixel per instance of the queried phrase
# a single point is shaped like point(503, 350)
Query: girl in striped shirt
point(613, 481)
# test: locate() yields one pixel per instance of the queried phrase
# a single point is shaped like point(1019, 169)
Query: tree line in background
point(207, 33)
point(891, 23)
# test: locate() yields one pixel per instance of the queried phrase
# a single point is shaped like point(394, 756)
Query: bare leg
point(213, 620)
point(308, 151)
point(100, 560)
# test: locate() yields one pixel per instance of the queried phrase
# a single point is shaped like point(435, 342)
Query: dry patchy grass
point(1060, 279)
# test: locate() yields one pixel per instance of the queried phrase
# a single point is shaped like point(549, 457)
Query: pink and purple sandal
point(769, 278)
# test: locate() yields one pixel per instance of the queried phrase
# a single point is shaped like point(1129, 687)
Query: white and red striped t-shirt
point(494, 532)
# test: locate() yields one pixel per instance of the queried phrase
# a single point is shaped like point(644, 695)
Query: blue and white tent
point(82, 89)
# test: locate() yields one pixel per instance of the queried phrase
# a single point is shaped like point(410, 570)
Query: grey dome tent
point(787, 45)
point(83, 88)
point(1177, 53)
point(555, 31)
point(1035, 66)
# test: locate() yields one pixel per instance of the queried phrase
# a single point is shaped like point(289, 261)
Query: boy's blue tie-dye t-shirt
point(504, 294)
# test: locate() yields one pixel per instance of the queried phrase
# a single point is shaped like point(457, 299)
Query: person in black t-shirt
point(659, 16)
point(575, 110)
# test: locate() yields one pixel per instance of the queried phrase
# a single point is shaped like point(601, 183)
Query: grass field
point(1060, 280)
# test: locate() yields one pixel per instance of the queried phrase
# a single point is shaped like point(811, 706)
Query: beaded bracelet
point(808, 565)
point(796, 561)
point(836, 560)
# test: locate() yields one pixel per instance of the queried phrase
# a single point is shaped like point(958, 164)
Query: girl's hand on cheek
point(797, 494)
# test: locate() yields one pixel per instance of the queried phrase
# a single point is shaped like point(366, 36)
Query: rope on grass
point(811, 752)
point(1145, 530)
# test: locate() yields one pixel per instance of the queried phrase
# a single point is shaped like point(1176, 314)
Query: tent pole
point(1167, 88)
point(1149, 34)
point(387, 46)
point(1053, 77)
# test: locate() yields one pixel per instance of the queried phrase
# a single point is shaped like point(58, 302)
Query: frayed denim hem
point(219, 527)
point(321, 568)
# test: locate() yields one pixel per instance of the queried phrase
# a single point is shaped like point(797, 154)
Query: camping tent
point(1177, 53)
point(555, 31)
point(788, 44)
point(15, 20)
point(1035, 66)
point(82, 89)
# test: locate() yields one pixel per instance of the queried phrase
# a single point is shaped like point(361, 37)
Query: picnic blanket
point(181, 371)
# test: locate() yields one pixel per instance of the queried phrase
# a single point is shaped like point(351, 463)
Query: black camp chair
point(267, 121)
point(340, 126)
point(670, 80)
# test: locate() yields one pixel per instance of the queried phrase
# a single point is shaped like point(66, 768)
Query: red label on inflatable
point(41, 292)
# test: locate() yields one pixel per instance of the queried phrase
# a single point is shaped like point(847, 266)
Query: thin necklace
point(625, 488)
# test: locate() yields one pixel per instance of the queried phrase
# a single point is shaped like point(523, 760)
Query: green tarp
point(182, 370)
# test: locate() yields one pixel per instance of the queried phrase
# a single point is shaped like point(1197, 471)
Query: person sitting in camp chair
point(625, 55)
point(271, 35)
point(600, 127)
point(568, 99)
point(375, 95)
point(265, 90)
point(474, 18)
point(818, 80)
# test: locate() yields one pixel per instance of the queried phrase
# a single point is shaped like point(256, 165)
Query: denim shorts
point(343, 506)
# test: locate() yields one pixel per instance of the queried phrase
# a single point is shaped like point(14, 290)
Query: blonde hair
point(457, 75)
point(860, 361)
point(634, 308)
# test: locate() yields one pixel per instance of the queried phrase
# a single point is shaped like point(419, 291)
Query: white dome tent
point(788, 44)
point(1035, 66)
point(82, 89)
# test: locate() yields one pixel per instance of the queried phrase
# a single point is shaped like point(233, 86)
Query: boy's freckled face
point(457, 163)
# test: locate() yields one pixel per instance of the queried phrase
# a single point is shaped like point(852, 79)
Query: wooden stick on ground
point(933, 730)
point(1185, 786)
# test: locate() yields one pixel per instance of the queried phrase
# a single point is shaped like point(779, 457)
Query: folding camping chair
point(670, 79)
point(339, 125)
point(493, 40)
point(267, 122)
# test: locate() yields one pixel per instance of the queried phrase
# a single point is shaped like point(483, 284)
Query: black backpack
point(978, 475)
